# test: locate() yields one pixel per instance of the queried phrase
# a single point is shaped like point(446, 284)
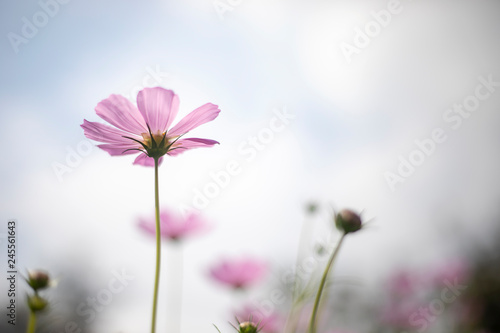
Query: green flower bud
point(38, 280)
point(312, 208)
point(348, 221)
point(37, 303)
point(248, 327)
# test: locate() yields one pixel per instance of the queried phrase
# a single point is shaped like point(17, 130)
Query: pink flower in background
point(145, 129)
point(239, 273)
point(397, 312)
point(448, 272)
point(174, 226)
point(402, 283)
point(404, 290)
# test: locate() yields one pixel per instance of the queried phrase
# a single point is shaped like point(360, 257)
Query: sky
point(387, 107)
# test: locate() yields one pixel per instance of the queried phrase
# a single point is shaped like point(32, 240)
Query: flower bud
point(348, 221)
point(36, 303)
point(312, 208)
point(38, 280)
point(248, 327)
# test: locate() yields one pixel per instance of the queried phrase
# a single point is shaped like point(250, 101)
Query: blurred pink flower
point(239, 273)
point(403, 291)
point(402, 283)
point(268, 322)
point(448, 272)
point(145, 128)
point(412, 293)
point(174, 226)
point(397, 313)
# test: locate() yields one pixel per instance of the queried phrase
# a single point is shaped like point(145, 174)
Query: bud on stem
point(37, 303)
point(38, 280)
point(348, 221)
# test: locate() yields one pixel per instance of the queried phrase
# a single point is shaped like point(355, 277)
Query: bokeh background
point(352, 117)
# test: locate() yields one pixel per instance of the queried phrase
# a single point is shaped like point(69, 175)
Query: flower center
point(158, 137)
point(156, 145)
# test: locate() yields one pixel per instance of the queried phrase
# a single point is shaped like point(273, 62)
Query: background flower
point(448, 272)
point(175, 226)
point(239, 273)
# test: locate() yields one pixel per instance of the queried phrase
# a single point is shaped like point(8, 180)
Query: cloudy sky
point(387, 107)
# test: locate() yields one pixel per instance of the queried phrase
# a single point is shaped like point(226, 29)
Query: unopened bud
point(37, 303)
point(248, 327)
point(348, 221)
point(312, 208)
point(38, 280)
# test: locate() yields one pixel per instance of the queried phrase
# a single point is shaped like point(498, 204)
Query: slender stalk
point(289, 325)
point(312, 323)
point(158, 249)
point(31, 323)
point(296, 293)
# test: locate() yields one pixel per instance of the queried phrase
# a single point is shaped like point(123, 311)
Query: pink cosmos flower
point(239, 273)
point(146, 128)
point(174, 226)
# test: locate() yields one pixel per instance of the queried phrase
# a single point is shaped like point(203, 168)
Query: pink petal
point(174, 226)
point(195, 222)
point(171, 226)
point(200, 116)
point(147, 226)
point(172, 231)
point(120, 112)
point(145, 160)
point(185, 144)
point(239, 273)
point(114, 149)
point(158, 107)
point(105, 133)
point(167, 217)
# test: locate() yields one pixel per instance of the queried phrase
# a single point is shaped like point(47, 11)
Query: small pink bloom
point(146, 128)
point(174, 226)
point(239, 273)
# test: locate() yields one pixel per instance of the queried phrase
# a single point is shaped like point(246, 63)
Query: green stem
point(312, 323)
point(31, 323)
point(158, 248)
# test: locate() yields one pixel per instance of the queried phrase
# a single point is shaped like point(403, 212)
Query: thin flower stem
point(312, 323)
point(158, 248)
point(296, 293)
point(31, 323)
